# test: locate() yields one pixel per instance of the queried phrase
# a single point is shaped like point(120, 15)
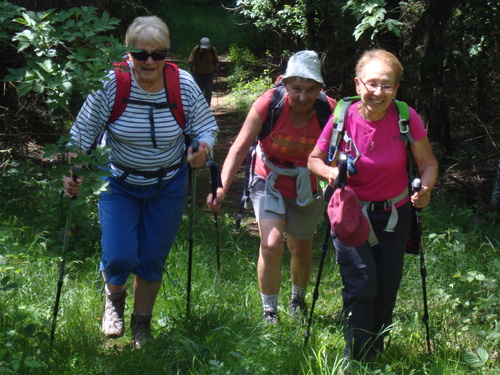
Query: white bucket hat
point(304, 64)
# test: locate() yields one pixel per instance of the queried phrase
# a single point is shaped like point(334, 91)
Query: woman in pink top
point(371, 273)
point(282, 190)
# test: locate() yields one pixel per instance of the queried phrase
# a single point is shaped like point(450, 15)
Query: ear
point(357, 82)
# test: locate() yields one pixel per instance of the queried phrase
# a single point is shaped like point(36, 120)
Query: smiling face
point(374, 103)
point(302, 93)
point(148, 73)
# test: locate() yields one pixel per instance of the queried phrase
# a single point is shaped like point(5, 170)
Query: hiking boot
point(141, 329)
point(297, 307)
point(113, 325)
point(271, 317)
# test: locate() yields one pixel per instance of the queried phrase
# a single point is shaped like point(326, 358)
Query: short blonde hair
point(149, 30)
point(381, 55)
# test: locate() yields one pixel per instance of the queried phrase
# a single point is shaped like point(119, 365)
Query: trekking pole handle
point(214, 177)
point(341, 179)
point(74, 177)
point(416, 184)
point(195, 144)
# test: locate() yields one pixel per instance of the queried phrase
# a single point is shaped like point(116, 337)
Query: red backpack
point(172, 91)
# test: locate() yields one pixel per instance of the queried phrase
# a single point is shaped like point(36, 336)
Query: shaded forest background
point(449, 48)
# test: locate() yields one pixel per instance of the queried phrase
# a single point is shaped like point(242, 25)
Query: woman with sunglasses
point(141, 210)
point(371, 272)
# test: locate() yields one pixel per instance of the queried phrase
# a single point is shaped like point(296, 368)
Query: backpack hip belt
point(379, 206)
point(159, 173)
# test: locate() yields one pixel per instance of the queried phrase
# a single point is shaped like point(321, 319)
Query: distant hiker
point(371, 272)
point(142, 209)
point(283, 192)
point(204, 63)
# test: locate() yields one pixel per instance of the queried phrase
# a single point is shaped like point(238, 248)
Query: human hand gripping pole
point(63, 261)
point(417, 186)
point(339, 183)
point(195, 144)
point(216, 183)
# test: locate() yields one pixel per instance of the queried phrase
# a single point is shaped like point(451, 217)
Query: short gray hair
point(149, 30)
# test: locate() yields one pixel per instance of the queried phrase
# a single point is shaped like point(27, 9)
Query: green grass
point(224, 334)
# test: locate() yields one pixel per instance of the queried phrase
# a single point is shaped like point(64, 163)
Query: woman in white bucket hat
point(282, 190)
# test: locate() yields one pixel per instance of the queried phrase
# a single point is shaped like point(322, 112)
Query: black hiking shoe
point(271, 317)
point(140, 325)
point(297, 307)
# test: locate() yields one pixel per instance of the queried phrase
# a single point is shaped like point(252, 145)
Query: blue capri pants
point(139, 224)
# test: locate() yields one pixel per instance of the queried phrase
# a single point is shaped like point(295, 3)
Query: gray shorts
point(300, 222)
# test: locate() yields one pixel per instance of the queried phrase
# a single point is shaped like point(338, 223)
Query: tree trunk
point(495, 194)
point(432, 103)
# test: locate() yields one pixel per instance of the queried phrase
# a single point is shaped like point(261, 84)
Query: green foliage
point(372, 14)
point(281, 17)
point(245, 87)
point(92, 167)
point(241, 56)
point(189, 22)
point(287, 20)
point(66, 52)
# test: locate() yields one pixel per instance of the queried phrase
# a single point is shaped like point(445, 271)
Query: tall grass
point(225, 334)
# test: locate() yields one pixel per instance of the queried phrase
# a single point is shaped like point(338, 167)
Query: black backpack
point(323, 111)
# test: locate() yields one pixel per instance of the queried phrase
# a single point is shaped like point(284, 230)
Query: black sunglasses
point(155, 55)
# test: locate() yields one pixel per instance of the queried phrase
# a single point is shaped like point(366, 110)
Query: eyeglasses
point(155, 55)
point(372, 86)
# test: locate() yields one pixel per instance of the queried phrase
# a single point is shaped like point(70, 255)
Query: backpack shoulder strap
point(323, 109)
point(404, 120)
point(123, 82)
point(173, 92)
point(339, 116)
point(273, 111)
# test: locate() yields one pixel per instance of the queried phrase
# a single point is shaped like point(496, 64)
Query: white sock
point(114, 293)
point(298, 292)
point(270, 302)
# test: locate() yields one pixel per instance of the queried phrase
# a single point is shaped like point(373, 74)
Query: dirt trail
point(229, 122)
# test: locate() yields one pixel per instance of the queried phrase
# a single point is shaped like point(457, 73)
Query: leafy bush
point(67, 52)
point(245, 88)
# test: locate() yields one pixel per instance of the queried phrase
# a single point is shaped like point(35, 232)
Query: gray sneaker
point(271, 317)
point(141, 329)
point(112, 322)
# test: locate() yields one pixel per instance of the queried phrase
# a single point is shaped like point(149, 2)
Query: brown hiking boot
point(141, 328)
point(112, 322)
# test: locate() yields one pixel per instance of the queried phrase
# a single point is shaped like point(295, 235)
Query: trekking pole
point(417, 185)
point(216, 183)
point(194, 145)
point(340, 182)
point(324, 250)
point(63, 261)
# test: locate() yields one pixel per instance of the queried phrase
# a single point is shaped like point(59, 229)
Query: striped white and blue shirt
point(130, 137)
